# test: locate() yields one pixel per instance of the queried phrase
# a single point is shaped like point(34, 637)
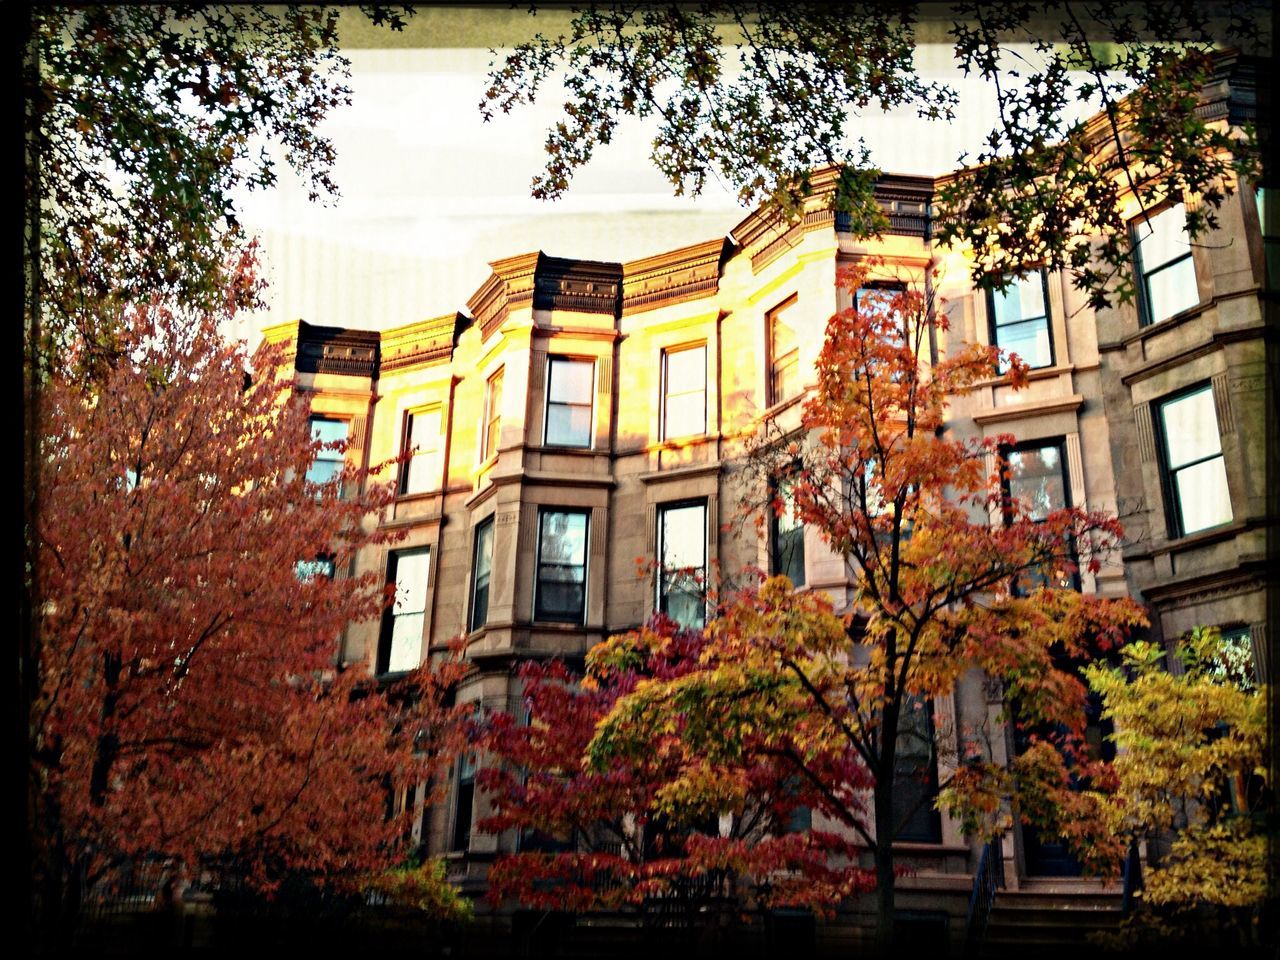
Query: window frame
point(552, 359)
point(386, 635)
point(1175, 525)
point(776, 567)
point(460, 836)
point(924, 807)
point(539, 614)
point(328, 456)
point(1143, 276)
point(406, 442)
point(791, 358)
point(664, 435)
point(993, 325)
point(662, 510)
point(1006, 492)
point(484, 526)
point(491, 432)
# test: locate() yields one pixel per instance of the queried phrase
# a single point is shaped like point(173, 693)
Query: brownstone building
point(586, 413)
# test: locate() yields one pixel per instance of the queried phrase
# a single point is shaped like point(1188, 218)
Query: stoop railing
point(986, 880)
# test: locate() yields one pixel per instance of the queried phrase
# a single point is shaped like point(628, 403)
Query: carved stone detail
point(1142, 423)
point(1222, 405)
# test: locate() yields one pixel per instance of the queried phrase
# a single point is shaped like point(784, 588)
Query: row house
point(583, 414)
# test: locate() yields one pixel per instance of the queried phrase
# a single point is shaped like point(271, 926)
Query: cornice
point(584, 286)
point(509, 285)
point(337, 350)
point(673, 276)
point(423, 342)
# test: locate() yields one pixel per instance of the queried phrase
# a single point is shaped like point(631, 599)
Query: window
point(1267, 221)
point(306, 570)
point(1167, 274)
point(1020, 319)
point(561, 590)
point(784, 355)
point(464, 802)
point(682, 561)
point(1036, 478)
point(787, 536)
point(400, 648)
point(481, 570)
point(915, 775)
point(569, 386)
point(876, 299)
point(684, 392)
point(492, 415)
point(328, 462)
point(1194, 472)
point(1235, 662)
point(421, 472)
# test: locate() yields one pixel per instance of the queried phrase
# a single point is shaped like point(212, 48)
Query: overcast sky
point(431, 194)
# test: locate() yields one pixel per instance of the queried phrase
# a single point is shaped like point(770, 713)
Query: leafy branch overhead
point(759, 95)
point(144, 120)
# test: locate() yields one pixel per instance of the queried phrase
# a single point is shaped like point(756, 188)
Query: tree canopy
point(142, 122)
point(939, 589)
point(191, 587)
point(761, 94)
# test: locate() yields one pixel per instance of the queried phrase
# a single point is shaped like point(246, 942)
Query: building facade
point(587, 415)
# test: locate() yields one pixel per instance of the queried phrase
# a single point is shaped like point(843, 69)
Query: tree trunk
point(884, 877)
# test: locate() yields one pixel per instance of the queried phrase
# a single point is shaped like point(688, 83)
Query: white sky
point(431, 194)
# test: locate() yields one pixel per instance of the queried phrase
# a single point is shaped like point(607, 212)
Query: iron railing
point(986, 880)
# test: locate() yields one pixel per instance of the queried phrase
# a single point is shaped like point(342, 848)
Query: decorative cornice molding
point(423, 342)
point(509, 285)
point(337, 350)
point(585, 286)
point(674, 276)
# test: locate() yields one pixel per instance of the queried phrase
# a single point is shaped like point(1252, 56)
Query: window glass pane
point(1028, 339)
point(784, 355)
point(568, 426)
point(685, 386)
point(788, 539)
point(304, 570)
point(1036, 479)
point(493, 413)
point(686, 415)
point(411, 581)
point(915, 774)
point(684, 536)
point(322, 471)
point(875, 300)
point(562, 566)
point(570, 380)
point(687, 370)
point(1172, 290)
point(1190, 428)
point(406, 642)
point(682, 533)
point(1023, 300)
point(328, 431)
point(328, 463)
point(422, 471)
point(480, 578)
point(1203, 499)
point(1165, 239)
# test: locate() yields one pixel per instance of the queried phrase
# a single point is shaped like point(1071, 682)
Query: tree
point(760, 94)
point(939, 590)
point(190, 587)
point(142, 122)
point(1190, 772)
point(634, 829)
